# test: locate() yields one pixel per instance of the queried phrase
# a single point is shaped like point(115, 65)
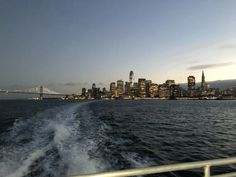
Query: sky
point(69, 44)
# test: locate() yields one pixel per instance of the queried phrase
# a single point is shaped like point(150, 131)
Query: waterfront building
point(93, 86)
point(148, 84)
point(153, 90)
point(135, 90)
point(204, 85)
point(163, 91)
point(142, 87)
point(191, 82)
point(191, 86)
point(89, 93)
point(131, 78)
point(203, 80)
point(104, 93)
point(113, 89)
point(93, 89)
point(120, 87)
point(175, 91)
point(205, 88)
point(83, 92)
point(127, 88)
point(170, 82)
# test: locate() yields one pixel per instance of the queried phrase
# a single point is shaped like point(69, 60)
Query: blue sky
point(66, 45)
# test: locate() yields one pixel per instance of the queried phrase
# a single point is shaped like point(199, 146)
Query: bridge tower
point(41, 92)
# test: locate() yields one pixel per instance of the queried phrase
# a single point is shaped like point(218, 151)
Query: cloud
point(213, 43)
point(229, 46)
point(71, 84)
point(206, 66)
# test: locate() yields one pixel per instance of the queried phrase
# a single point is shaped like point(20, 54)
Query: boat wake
point(70, 140)
point(49, 144)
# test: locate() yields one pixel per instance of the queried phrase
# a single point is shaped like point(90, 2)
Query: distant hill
point(222, 84)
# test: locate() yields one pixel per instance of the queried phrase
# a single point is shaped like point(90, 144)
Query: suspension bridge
point(41, 91)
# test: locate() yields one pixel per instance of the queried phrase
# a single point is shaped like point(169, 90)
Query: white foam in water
point(136, 160)
point(79, 162)
point(65, 128)
point(24, 168)
point(61, 133)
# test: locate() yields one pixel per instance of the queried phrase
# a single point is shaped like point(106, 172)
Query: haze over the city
point(66, 45)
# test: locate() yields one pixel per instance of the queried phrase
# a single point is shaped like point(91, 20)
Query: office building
point(191, 86)
point(120, 87)
point(170, 82)
point(204, 85)
point(113, 89)
point(163, 91)
point(131, 78)
point(83, 92)
point(153, 90)
point(127, 88)
point(142, 87)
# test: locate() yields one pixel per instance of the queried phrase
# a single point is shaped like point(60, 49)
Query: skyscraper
point(131, 78)
point(153, 90)
point(142, 87)
point(203, 80)
point(94, 90)
point(204, 85)
point(113, 89)
point(93, 86)
point(83, 92)
point(163, 91)
point(127, 88)
point(191, 85)
point(120, 87)
point(191, 82)
point(170, 82)
point(148, 85)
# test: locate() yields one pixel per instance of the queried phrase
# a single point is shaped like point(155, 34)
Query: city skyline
point(142, 88)
point(68, 45)
point(146, 89)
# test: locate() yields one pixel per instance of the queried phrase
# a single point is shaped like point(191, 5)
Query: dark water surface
point(56, 138)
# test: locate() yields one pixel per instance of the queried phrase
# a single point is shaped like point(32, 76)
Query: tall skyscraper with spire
point(203, 83)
